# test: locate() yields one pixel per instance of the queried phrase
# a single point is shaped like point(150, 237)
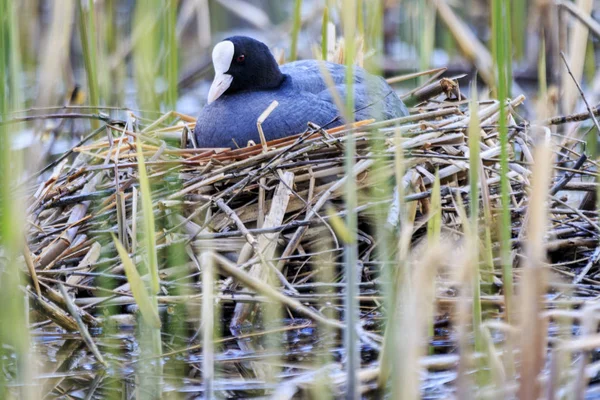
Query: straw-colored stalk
point(426, 35)
point(467, 274)
point(380, 190)
point(533, 284)
point(543, 84)
point(577, 46)
point(470, 45)
point(401, 275)
point(413, 320)
point(208, 328)
point(325, 274)
point(474, 161)
point(53, 63)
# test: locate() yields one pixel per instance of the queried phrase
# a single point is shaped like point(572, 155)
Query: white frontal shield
point(222, 57)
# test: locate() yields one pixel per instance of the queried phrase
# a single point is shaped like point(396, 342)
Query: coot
point(248, 79)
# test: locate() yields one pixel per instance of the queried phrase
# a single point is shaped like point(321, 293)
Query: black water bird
point(248, 79)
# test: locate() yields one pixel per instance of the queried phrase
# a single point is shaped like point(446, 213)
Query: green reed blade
point(149, 230)
point(146, 49)
point(324, 35)
point(138, 288)
point(14, 332)
point(350, 249)
point(87, 33)
point(434, 224)
point(360, 19)
point(518, 16)
point(502, 59)
point(297, 24)
point(171, 55)
point(474, 134)
point(426, 38)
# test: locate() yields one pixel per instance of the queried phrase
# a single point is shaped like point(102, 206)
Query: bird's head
point(243, 63)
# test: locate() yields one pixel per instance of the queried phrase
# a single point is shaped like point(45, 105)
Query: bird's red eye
point(241, 58)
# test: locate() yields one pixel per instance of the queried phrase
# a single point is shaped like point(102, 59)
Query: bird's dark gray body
point(303, 96)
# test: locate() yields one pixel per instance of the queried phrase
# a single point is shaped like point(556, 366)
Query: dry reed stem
point(467, 41)
point(533, 288)
point(577, 46)
point(252, 283)
point(83, 331)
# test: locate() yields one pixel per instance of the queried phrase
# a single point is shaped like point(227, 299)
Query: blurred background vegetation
point(103, 57)
point(154, 55)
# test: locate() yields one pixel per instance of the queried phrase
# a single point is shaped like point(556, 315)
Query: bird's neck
point(270, 78)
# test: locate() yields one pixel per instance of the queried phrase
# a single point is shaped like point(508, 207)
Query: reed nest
point(270, 216)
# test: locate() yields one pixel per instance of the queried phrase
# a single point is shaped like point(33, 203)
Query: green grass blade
point(339, 227)
point(474, 161)
point(148, 214)
point(360, 19)
point(474, 231)
point(297, 24)
point(426, 37)
point(474, 158)
point(434, 230)
point(14, 332)
point(518, 11)
point(87, 31)
point(350, 249)
point(374, 36)
point(93, 52)
point(508, 46)
point(502, 59)
point(172, 55)
point(146, 52)
point(434, 225)
point(138, 288)
point(324, 35)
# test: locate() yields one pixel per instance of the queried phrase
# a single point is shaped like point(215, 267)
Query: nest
point(274, 212)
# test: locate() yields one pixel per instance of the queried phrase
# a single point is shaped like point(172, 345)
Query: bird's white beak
point(219, 85)
point(222, 57)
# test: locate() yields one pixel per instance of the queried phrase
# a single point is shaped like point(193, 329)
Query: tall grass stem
point(351, 268)
point(172, 72)
point(296, 25)
point(325, 34)
point(87, 33)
